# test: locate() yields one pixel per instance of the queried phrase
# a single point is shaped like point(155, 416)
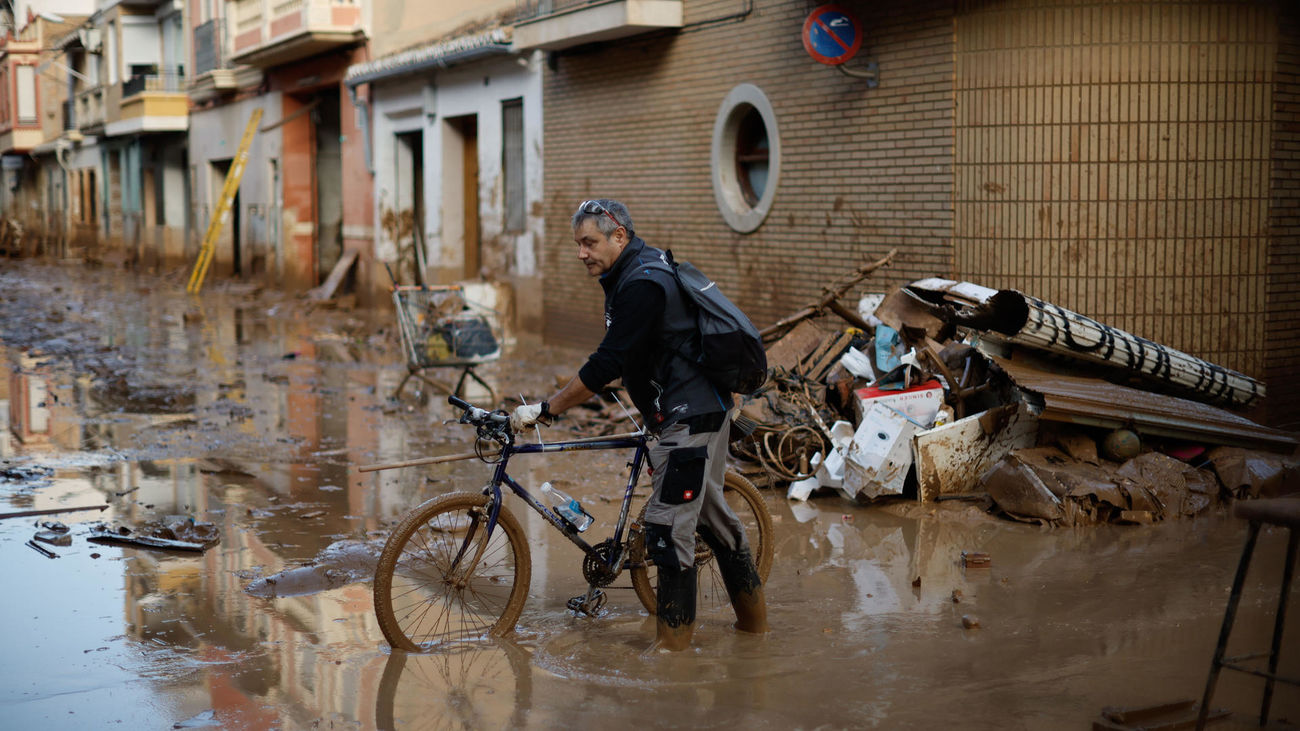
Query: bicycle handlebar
point(475, 415)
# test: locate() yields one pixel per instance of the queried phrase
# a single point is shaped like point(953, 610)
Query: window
point(512, 164)
point(752, 155)
point(110, 52)
point(746, 158)
point(26, 76)
point(4, 97)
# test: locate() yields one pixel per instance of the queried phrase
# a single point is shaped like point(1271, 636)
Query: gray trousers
point(688, 471)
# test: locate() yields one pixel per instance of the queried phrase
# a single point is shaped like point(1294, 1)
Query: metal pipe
point(363, 120)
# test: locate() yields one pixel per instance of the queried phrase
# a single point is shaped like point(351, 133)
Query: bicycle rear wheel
point(442, 578)
point(711, 594)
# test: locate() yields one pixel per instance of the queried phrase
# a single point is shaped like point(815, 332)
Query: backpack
point(730, 350)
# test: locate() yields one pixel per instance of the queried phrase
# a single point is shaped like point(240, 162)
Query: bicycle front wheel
point(442, 577)
point(711, 594)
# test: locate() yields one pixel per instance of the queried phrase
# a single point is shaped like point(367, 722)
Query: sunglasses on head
point(595, 209)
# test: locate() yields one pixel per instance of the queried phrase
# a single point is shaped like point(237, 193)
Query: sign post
point(832, 36)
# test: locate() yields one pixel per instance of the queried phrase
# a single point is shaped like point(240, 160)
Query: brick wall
point(1282, 327)
point(863, 170)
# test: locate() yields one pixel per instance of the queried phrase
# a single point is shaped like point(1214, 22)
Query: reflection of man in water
point(647, 321)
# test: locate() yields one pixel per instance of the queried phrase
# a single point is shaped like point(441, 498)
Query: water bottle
point(567, 508)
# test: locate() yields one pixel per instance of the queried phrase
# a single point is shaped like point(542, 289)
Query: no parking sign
point(831, 35)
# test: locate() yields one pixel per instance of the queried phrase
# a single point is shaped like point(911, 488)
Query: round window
point(746, 158)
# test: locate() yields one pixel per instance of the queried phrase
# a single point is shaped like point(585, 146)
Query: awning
point(1094, 402)
point(431, 56)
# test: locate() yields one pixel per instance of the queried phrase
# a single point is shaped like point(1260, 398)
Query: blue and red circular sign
point(831, 35)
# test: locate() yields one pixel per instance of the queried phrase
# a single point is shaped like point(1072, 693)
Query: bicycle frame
point(500, 476)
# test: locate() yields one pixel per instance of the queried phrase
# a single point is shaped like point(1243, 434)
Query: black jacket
point(648, 322)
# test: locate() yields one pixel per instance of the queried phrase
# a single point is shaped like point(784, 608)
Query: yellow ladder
point(222, 212)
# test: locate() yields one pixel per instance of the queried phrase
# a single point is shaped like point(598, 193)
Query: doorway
point(328, 179)
point(460, 203)
point(230, 239)
point(408, 229)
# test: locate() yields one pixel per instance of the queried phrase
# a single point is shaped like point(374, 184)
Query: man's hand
point(525, 416)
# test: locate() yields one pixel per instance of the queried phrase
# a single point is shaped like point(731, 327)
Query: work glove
point(525, 416)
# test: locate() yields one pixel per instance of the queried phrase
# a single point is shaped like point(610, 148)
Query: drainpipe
point(363, 120)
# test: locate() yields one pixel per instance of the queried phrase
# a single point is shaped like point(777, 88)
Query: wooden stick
point(831, 295)
point(50, 511)
point(416, 462)
point(468, 455)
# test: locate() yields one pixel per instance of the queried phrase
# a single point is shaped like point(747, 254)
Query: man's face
point(597, 251)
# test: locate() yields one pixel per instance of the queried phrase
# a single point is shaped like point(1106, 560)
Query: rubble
point(949, 390)
point(177, 535)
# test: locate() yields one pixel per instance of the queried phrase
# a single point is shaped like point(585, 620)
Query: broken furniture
point(1282, 512)
point(442, 329)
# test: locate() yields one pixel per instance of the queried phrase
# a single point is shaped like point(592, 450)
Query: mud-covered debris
point(1250, 473)
point(53, 538)
point(1043, 484)
point(956, 596)
point(10, 472)
point(970, 621)
point(205, 719)
point(41, 550)
point(179, 535)
point(343, 562)
point(975, 559)
point(52, 525)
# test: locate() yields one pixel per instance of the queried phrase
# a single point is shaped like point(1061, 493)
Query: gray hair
point(603, 222)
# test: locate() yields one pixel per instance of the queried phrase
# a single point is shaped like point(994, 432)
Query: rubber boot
point(674, 609)
point(745, 589)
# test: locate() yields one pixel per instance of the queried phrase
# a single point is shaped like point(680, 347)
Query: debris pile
point(177, 534)
point(949, 390)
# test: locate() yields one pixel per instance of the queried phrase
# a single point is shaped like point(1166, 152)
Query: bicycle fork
point(460, 582)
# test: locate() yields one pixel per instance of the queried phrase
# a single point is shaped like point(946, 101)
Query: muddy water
point(252, 412)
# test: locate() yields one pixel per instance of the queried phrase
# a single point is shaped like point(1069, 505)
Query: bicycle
point(458, 566)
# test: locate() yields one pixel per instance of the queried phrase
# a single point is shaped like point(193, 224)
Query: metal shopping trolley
point(442, 329)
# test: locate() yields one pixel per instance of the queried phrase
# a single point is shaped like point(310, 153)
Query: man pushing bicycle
point(649, 324)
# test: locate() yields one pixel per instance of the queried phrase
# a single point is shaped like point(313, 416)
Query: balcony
point(90, 109)
point(69, 115)
point(152, 102)
point(274, 32)
point(553, 25)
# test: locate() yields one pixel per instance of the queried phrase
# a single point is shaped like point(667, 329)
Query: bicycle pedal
point(589, 605)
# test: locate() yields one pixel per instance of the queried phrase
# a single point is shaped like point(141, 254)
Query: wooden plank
point(326, 290)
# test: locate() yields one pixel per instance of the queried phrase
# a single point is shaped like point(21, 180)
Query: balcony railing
point(90, 108)
point(165, 82)
point(69, 115)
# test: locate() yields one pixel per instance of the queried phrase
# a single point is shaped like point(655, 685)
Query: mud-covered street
point(251, 411)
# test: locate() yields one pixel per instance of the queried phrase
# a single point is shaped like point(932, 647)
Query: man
point(648, 323)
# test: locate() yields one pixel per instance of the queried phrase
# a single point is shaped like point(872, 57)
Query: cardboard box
point(919, 403)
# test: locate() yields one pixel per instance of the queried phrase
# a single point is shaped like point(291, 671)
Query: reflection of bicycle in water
point(470, 685)
point(457, 567)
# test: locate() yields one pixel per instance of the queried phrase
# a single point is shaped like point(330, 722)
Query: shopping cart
point(440, 328)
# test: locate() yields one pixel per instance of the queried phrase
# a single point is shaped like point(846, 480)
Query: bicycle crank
point(589, 604)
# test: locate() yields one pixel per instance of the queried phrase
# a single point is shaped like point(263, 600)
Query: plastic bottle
point(567, 508)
